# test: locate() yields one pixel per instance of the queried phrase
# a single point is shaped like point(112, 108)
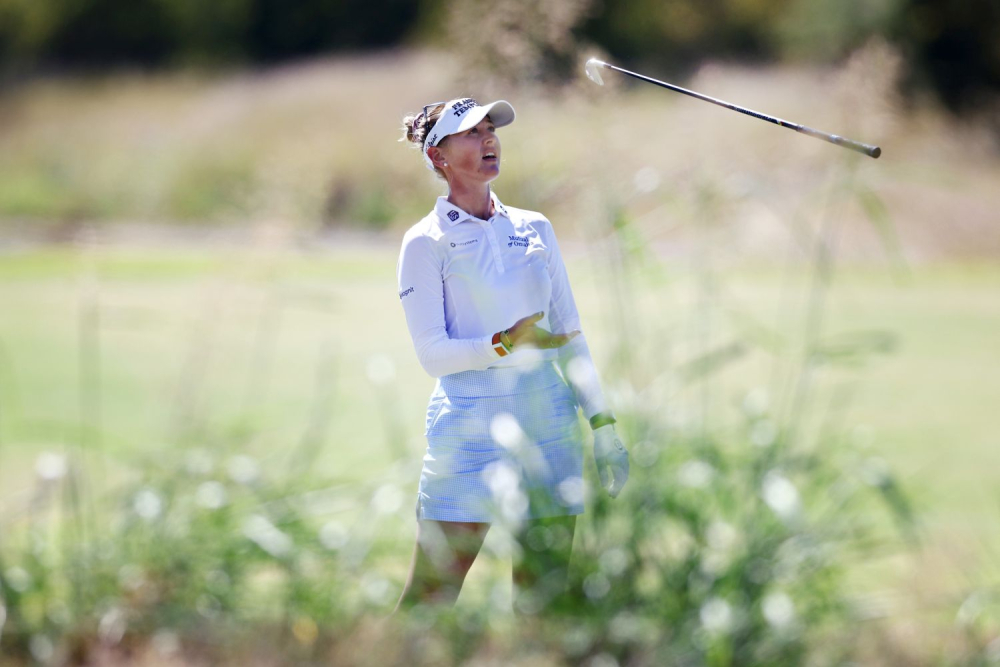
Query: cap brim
point(500, 112)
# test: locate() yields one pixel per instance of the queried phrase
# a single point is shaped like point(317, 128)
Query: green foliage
point(199, 546)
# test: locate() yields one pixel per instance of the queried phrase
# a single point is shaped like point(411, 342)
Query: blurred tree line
point(951, 46)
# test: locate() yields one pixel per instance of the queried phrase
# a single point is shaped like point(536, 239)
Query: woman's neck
point(476, 201)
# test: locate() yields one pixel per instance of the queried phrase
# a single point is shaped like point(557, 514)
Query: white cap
point(460, 115)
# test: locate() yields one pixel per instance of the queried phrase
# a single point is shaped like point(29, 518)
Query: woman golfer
point(490, 310)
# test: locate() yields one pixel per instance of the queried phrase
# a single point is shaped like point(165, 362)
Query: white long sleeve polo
point(462, 279)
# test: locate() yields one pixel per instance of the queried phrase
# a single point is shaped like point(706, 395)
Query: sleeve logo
point(408, 290)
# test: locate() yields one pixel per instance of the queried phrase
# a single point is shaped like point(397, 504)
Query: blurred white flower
point(147, 504)
point(387, 499)
point(504, 484)
point(571, 490)
point(716, 616)
point(267, 536)
point(333, 535)
point(778, 609)
point(111, 627)
point(18, 579)
point(211, 495)
point(781, 495)
point(646, 180)
point(243, 469)
point(199, 462)
point(695, 474)
point(755, 403)
point(166, 642)
point(763, 433)
point(614, 561)
point(381, 370)
point(596, 586)
point(131, 577)
point(972, 607)
point(51, 466)
point(579, 371)
point(41, 648)
point(721, 536)
point(576, 640)
point(507, 432)
point(645, 453)
point(375, 587)
point(602, 660)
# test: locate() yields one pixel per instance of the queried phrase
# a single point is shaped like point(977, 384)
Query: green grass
point(182, 330)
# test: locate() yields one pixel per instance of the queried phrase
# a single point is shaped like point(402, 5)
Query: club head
point(592, 67)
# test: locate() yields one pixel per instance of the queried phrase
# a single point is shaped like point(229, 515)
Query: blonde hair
point(416, 126)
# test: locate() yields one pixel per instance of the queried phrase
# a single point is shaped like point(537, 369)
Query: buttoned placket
point(491, 236)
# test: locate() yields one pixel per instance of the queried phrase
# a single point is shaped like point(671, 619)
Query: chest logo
point(519, 241)
point(469, 242)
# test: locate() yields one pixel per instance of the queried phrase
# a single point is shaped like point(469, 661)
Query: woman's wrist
point(505, 339)
point(602, 419)
point(498, 345)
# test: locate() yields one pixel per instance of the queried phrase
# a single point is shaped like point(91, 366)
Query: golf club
point(593, 73)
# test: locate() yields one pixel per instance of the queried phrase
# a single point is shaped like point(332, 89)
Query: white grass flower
point(211, 495)
point(267, 536)
point(51, 466)
point(507, 432)
point(781, 495)
point(243, 469)
point(695, 474)
point(763, 433)
point(387, 499)
point(41, 648)
point(778, 609)
point(716, 616)
point(596, 586)
point(333, 535)
point(18, 579)
point(646, 180)
point(147, 504)
point(572, 490)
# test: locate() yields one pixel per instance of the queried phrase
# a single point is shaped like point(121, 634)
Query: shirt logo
point(408, 290)
point(453, 215)
point(453, 244)
point(519, 241)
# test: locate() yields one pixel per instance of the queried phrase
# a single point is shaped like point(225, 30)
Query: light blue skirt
point(503, 444)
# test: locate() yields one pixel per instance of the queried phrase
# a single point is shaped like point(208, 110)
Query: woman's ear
point(437, 157)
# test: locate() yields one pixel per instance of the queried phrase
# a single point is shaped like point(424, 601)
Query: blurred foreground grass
point(280, 384)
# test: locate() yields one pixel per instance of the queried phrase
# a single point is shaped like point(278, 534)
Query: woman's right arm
point(421, 291)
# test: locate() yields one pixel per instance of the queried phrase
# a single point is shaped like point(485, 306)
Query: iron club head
point(593, 73)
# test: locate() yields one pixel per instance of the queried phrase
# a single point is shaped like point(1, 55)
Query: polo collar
point(454, 215)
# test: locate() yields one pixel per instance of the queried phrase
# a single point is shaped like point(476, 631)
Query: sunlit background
point(211, 414)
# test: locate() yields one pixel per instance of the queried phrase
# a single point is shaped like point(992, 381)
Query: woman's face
point(473, 156)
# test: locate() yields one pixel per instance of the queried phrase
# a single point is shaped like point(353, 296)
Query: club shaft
point(872, 151)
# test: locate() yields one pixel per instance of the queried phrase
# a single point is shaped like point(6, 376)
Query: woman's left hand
point(611, 458)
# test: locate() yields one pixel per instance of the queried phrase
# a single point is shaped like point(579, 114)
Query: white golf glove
point(612, 459)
